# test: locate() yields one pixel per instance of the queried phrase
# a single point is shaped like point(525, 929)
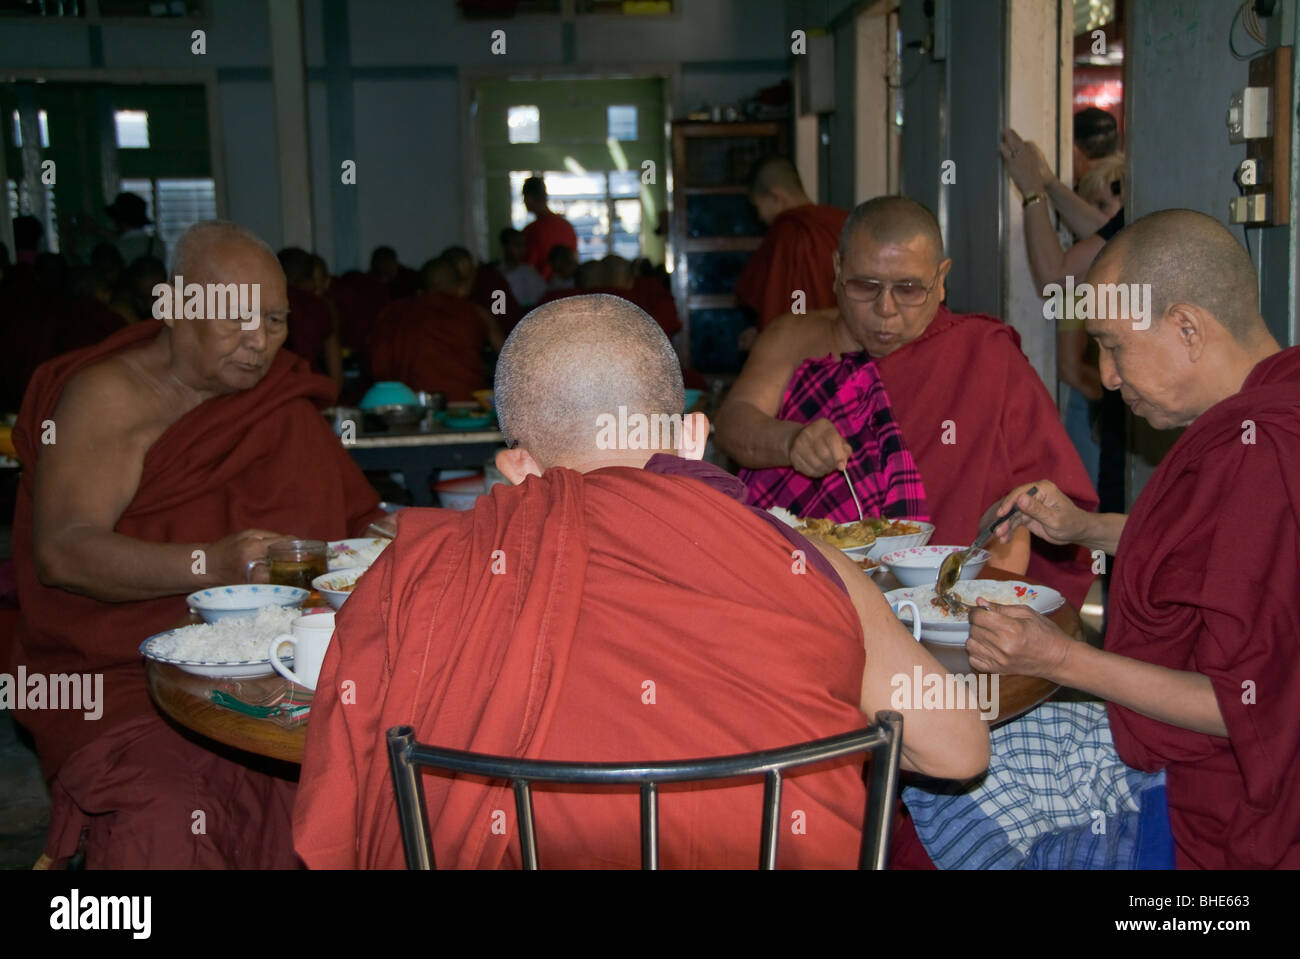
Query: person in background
point(28, 233)
point(106, 260)
point(313, 321)
point(133, 296)
point(547, 231)
point(563, 261)
point(525, 281)
point(487, 288)
point(1096, 137)
point(130, 217)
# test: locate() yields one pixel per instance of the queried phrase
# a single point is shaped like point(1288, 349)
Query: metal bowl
point(400, 414)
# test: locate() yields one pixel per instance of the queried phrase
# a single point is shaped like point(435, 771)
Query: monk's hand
point(818, 449)
point(1049, 514)
point(232, 559)
point(1015, 640)
point(1022, 160)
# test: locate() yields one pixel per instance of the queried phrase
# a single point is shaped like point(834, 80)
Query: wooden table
point(187, 698)
point(1016, 694)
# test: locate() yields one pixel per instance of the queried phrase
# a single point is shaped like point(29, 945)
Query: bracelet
point(1031, 200)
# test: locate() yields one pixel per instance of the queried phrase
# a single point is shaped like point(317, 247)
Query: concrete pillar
point(293, 149)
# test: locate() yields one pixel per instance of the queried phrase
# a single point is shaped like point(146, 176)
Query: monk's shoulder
point(801, 336)
point(112, 388)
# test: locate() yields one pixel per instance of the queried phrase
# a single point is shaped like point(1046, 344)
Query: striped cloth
point(1056, 796)
point(850, 394)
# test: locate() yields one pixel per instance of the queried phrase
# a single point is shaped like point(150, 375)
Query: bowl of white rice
point(234, 647)
point(244, 599)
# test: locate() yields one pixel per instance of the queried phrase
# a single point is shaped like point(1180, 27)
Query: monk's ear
point(942, 272)
point(1189, 324)
point(695, 436)
point(517, 465)
point(835, 262)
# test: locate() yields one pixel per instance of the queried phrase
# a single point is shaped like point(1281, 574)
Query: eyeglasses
point(905, 294)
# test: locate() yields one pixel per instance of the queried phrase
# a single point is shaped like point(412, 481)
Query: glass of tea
point(296, 562)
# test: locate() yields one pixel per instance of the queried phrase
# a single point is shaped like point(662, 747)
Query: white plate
point(347, 553)
point(1043, 599)
point(246, 669)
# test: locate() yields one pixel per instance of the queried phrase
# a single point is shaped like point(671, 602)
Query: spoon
point(854, 494)
point(376, 528)
point(950, 570)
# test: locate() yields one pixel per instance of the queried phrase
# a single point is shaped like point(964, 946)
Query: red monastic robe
point(263, 458)
point(359, 298)
point(610, 582)
point(795, 255)
point(488, 281)
point(547, 231)
point(979, 422)
point(310, 325)
point(431, 342)
point(1205, 580)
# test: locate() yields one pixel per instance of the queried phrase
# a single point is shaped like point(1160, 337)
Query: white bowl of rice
point(940, 626)
point(234, 647)
point(244, 599)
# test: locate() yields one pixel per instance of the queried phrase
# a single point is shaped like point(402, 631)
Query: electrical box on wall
point(1260, 117)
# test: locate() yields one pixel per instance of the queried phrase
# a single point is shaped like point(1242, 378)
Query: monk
point(313, 320)
point(645, 291)
point(796, 253)
point(435, 341)
point(359, 298)
point(547, 231)
point(1201, 667)
point(625, 564)
point(933, 413)
point(525, 282)
point(485, 287)
point(156, 463)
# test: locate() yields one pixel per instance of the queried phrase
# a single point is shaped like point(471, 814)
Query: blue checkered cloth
point(1056, 796)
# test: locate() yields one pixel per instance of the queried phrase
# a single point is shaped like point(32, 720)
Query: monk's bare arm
point(84, 481)
point(747, 427)
point(944, 743)
point(1051, 515)
point(1175, 696)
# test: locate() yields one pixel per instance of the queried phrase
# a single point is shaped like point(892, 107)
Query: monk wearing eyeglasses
point(927, 411)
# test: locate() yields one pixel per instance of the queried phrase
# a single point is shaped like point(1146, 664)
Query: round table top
point(188, 699)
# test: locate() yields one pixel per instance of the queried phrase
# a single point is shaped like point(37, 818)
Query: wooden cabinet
point(714, 230)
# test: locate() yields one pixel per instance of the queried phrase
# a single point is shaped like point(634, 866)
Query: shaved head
point(574, 359)
point(1187, 257)
point(618, 271)
point(202, 243)
point(775, 173)
point(440, 275)
point(892, 220)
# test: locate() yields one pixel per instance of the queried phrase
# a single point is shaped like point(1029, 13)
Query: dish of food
point(232, 648)
point(941, 625)
point(347, 553)
point(852, 535)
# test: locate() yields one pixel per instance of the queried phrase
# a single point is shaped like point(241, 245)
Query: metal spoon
point(950, 570)
point(854, 494)
point(376, 528)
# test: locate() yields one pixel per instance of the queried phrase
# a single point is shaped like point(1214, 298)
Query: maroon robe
point(433, 342)
point(795, 255)
point(979, 422)
point(310, 324)
point(1205, 580)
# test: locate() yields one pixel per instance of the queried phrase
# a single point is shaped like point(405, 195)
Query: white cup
point(310, 639)
point(916, 616)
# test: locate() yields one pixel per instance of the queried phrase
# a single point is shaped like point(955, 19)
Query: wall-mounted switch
point(1249, 115)
point(1249, 209)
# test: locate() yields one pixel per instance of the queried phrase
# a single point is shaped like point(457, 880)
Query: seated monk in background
point(796, 253)
point(313, 320)
point(816, 395)
point(1201, 667)
point(645, 291)
point(486, 286)
point(621, 566)
point(435, 341)
point(180, 445)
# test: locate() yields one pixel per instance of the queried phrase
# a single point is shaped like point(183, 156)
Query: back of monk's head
point(592, 275)
point(891, 220)
point(297, 265)
point(201, 246)
point(570, 361)
point(383, 258)
point(440, 275)
point(1187, 257)
point(534, 187)
point(1095, 133)
point(618, 271)
point(773, 174)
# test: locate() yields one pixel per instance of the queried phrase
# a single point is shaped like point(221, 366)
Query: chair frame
point(883, 739)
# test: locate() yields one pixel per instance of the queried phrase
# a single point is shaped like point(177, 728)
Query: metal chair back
point(882, 740)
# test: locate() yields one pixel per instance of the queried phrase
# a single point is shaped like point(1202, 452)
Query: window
point(175, 205)
point(42, 119)
point(622, 123)
point(525, 124)
point(604, 208)
point(132, 129)
point(20, 205)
